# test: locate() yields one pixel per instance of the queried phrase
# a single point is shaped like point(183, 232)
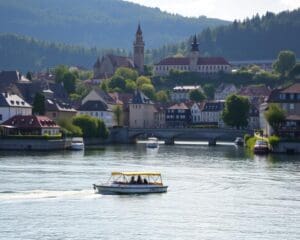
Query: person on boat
point(132, 180)
point(139, 180)
point(145, 181)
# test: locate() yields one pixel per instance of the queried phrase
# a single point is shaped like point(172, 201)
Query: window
point(0, 117)
point(282, 96)
point(292, 106)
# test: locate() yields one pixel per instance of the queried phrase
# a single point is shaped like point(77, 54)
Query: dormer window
point(17, 102)
point(12, 102)
point(22, 103)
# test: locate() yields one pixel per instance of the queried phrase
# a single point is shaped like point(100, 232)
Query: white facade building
point(192, 63)
point(12, 105)
point(182, 93)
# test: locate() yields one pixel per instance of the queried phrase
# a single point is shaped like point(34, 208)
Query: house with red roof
point(192, 63)
point(30, 125)
point(178, 115)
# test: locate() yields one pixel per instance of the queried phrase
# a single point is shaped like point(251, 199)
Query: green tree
point(275, 116)
point(69, 81)
point(126, 73)
point(118, 114)
point(162, 96)
point(39, 104)
point(286, 60)
point(196, 95)
point(60, 72)
point(117, 82)
point(295, 72)
point(142, 80)
point(69, 128)
point(236, 111)
point(209, 90)
point(130, 86)
point(90, 126)
point(148, 90)
point(102, 130)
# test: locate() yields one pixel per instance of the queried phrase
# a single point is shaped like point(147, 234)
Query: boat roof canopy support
point(136, 174)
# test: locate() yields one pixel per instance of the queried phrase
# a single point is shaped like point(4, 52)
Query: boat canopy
point(136, 173)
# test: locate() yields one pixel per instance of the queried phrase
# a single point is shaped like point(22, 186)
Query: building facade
point(225, 90)
point(106, 67)
point(97, 109)
point(141, 111)
point(193, 63)
point(182, 93)
point(11, 105)
point(178, 115)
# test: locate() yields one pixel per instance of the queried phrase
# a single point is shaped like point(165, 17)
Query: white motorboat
point(77, 144)
point(152, 142)
point(132, 183)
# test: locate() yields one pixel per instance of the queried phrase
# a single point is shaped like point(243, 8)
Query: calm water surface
point(214, 193)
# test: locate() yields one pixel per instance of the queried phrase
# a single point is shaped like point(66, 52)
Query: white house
point(11, 105)
point(224, 90)
point(208, 113)
point(182, 93)
point(98, 109)
point(193, 63)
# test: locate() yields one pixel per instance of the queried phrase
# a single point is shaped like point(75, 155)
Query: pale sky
point(223, 9)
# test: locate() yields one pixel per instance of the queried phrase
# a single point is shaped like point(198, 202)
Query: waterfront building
point(178, 115)
point(97, 94)
point(256, 94)
point(11, 105)
point(98, 109)
point(123, 100)
point(58, 110)
point(288, 99)
point(160, 115)
point(208, 113)
point(109, 63)
point(31, 125)
point(182, 93)
point(254, 120)
point(192, 63)
point(141, 111)
point(224, 90)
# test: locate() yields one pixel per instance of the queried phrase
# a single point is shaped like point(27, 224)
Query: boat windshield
point(136, 178)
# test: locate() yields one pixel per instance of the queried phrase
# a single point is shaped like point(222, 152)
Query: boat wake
point(46, 194)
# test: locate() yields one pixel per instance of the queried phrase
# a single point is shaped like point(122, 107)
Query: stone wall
point(34, 144)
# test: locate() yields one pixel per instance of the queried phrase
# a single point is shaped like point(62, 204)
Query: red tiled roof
point(295, 88)
point(186, 61)
point(262, 91)
point(30, 122)
point(179, 106)
point(212, 61)
point(175, 61)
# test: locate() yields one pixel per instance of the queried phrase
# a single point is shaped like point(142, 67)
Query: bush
point(274, 140)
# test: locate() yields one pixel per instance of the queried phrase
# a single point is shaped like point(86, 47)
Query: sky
point(223, 9)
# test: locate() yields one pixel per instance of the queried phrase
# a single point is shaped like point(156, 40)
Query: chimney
point(6, 94)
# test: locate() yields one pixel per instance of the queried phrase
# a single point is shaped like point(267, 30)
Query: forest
point(97, 23)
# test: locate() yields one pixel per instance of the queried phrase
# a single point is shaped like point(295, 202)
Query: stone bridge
point(169, 135)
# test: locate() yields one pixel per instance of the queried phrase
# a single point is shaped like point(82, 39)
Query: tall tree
point(196, 95)
point(39, 104)
point(275, 116)
point(118, 114)
point(285, 62)
point(236, 111)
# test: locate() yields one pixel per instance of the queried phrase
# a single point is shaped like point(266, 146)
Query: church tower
point(138, 50)
point(194, 54)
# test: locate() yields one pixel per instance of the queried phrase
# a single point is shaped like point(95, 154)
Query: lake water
point(217, 192)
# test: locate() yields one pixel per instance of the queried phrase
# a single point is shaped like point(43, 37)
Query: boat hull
point(130, 189)
point(77, 147)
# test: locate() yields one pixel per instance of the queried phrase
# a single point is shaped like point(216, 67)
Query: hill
point(258, 38)
point(100, 23)
point(28, 54)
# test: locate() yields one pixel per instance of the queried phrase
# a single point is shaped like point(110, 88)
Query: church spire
point(195, 45)
point(138, 50)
